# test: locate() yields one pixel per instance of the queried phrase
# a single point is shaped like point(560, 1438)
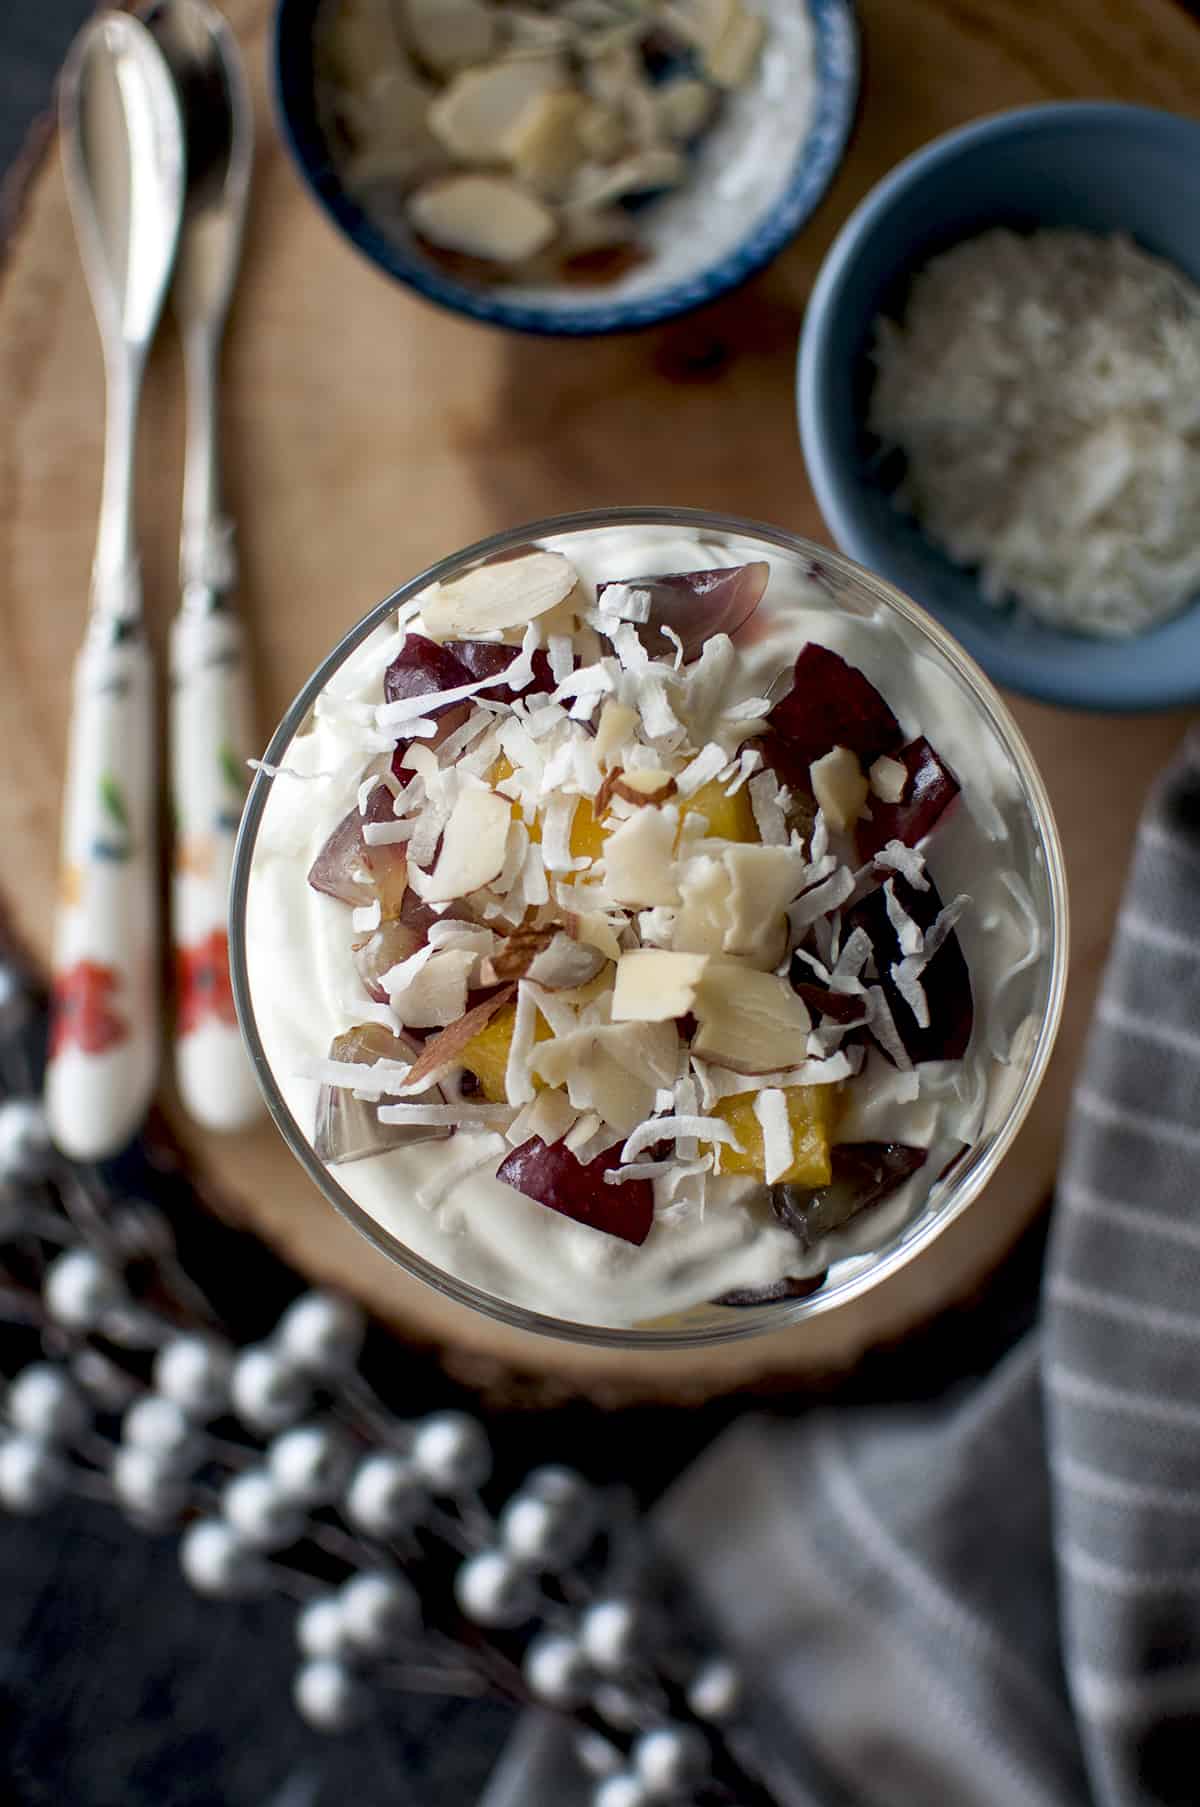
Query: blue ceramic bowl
point(759, 174)
point(1102, 167)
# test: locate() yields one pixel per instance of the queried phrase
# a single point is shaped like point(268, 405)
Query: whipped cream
point(441, 1198)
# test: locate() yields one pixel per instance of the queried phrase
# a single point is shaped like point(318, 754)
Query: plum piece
point(392, 942)
point(488, 658)
point(830, 704)
point(340, 869)
point(795, 1286)
point(946, 980)
point(864, 1173)
point(421, 668)
point(846, 1007)
point(348, 1128)
point(386, 861)
point(696, 605)
point(929, 790)
point(552, 1175)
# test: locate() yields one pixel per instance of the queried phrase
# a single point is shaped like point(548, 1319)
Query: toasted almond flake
point(839, 786)
point(731, 60)
point(474, 847)
point(563, 964)
point(615, 727)
point(451, 34)
point(499, 596)
point(482, 216)
point(646, 1050)
point(888, 778)
point(543, 144)
point(581, 1132)
point(594, 928)
point(771, 1110)
point(683, 107)
point(750, 1021)
point(550, 1116)
point(476, 111)
point(442, 1051)
point(514, 955)
point(651, 785)
point(762, 884)
point(656, 986)
point(645, 172)
point(639, 858)
point(434, 995)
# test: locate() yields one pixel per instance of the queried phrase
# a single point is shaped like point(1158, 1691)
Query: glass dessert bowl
point(648, 928)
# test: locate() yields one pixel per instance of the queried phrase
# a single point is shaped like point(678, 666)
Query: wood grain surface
point(367, 433)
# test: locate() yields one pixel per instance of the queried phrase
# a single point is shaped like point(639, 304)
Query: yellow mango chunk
point(810, 1113)
point(486, 1054)
point(587, 836)
point(728, 818)
point(501, 770)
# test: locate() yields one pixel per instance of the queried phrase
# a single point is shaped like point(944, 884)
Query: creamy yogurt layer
point(700, 963)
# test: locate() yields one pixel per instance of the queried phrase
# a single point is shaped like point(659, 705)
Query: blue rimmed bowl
point(759, 173)
point(1100, 166)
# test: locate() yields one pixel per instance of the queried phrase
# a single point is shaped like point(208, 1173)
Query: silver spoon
point(210, 727)
point(122, 146)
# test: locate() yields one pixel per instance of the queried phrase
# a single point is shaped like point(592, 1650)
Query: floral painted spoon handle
point(116, 98)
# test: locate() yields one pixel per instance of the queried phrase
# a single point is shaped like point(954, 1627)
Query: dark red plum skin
point(552, 1175)
point(864, 1174)
point(697, 604)
point(830, 704)
point(946, 980)
point(930, 789)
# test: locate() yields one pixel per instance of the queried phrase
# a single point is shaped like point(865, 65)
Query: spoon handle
point(104, 1028)
point(209, 743)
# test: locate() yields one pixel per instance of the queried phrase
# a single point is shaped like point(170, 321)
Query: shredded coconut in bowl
point(1045, 393)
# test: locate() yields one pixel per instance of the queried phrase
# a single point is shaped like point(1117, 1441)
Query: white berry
point(216, 1561)
point(44, 1401)
point(544, 1533)
point(329, 1696)
point(611, 1634)
point(262, 1516)
point(386, 1495)
point(194, 1370)
point(671, 1759)
point(159, 1425)
point(80, 1290)
point(321, 1628)
point(148, 1485)
point(494, 1591)
point(25, 1152)
point(309, 1463)
point(452, 1452)
point(715, 1691)
point(269, 1391)
point(323, 1333)
point(556, 1670)
point(33, 1476)
point(622, 1790)
point(379, 1610)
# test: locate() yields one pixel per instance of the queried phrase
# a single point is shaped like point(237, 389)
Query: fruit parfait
point(646, 926)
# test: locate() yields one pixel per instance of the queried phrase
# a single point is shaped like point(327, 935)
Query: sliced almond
point(474, 114)
point(436, 995)
point(763, 882)
point(544, 146)
point(702, 23)
point(647, 172)
point(888, 778)
point(474, 843)
point(731, 61)
point(639, 858)
point(601, 131)
point(451, 34)
point(839, 786)
point(591, 927)
point(494, 597)
point(705, 908)
point(651, 786)
point(482, 216)
point(684, 107)
point(654, 986)
point(444, 1049)
point(649, 1051)
point(565, 964)
point(619, 1097)
point(616, 725)
point(751, 1022)
point(514, 958)
point(551, 1115)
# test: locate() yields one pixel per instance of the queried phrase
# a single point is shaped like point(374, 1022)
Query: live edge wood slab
point(367, 434)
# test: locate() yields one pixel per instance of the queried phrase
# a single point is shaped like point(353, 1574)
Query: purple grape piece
point(946, 980)
point(421, 668)
point(488, 658)
point(798, 1286)
point(551, 1174)
point(844, 1007)
point(341, 869)
point(831, 704)
point(864, 1174)
point(696, 605)
point(929, 790)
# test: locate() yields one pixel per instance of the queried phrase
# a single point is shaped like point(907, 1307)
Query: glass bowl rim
point(975, 1170)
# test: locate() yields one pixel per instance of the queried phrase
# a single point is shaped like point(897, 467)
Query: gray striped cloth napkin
point(997, 1603)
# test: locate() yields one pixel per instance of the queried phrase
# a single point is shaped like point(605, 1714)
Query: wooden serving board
point(368, 433)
